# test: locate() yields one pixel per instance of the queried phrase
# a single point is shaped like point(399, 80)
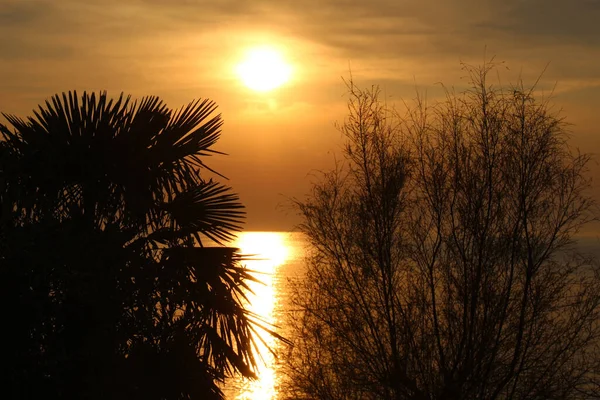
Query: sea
point(278, 259)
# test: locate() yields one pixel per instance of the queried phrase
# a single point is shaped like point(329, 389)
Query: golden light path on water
point(271, 251)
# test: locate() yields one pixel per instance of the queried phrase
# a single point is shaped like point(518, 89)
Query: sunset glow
point(269, 251)
point(276, 200)
point(263, 69)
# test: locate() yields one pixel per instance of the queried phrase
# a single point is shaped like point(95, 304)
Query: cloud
point(157, 43)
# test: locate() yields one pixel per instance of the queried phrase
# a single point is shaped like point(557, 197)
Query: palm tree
point(104, 221)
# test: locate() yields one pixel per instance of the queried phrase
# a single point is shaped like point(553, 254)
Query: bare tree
point(441, 257)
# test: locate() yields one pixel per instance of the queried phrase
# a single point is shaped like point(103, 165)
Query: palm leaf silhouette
point(112, 196)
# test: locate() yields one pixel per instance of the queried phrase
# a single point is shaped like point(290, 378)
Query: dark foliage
point(442, 262)
point(107, 289)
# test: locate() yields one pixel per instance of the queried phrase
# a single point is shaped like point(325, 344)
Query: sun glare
point(270, 251)
point(263, 69)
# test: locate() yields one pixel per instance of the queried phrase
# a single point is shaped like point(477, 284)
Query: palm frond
point(187, 131)
point(209, 209)
point(213, 299)
point(107, 195)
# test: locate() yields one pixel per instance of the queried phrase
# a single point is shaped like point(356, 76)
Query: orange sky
point(186, 49)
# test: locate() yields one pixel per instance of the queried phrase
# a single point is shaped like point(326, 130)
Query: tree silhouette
point(109, 290)
point(441, 261)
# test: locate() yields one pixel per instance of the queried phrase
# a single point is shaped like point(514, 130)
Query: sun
point(263, 69)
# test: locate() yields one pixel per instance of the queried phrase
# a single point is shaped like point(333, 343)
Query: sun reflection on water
point(270, 251)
